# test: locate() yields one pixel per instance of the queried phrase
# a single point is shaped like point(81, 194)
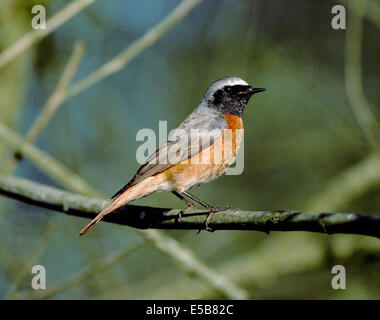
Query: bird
point(194, 156)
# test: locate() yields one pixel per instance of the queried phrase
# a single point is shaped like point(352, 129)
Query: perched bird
point(194, 157)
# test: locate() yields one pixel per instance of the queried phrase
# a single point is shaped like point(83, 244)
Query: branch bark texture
point(165, 218)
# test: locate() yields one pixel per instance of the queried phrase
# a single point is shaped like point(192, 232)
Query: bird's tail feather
point(111, 207)
point(91, 224)
point(123, 199)
point(135, 192)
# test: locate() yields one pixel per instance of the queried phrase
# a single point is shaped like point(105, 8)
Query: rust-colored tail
point(137, 191)
point(111, 207)
point(91, 224)
point(127, 196)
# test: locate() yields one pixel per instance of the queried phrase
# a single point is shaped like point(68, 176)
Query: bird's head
point(229, 95)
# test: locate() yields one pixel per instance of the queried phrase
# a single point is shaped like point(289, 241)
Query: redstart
point(190, 159)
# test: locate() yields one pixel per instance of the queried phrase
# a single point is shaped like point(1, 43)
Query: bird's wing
point(198, 132)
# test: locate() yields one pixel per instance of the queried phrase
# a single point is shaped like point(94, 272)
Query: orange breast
point(233, 122)
point(210, 163)
point(235, 126)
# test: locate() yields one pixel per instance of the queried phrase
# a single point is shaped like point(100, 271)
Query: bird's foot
point(205, 225)
point(183, 211)
point(212, 210)
point(218, 209)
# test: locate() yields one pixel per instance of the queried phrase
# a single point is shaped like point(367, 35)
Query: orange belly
point(209, 163)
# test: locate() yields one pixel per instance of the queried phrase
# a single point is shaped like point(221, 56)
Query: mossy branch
point(164, 218)
point(82, 206)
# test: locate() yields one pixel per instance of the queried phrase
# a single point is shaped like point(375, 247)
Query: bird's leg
point(204, 204)
point(190, 205)
point(208, 207)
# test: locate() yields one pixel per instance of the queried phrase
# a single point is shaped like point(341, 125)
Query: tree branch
point(135, 48)
point(46, 163)
point(52, 104)
point(143, 217)
point(358, 179)
point(34, 36)
point(48, 110)
point(372, 13)
point(353, 75)
point(82, 206)
point(348, 185)
point(35, 255)
point(79, 277)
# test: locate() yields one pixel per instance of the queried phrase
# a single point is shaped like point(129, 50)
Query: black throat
point(232, 102)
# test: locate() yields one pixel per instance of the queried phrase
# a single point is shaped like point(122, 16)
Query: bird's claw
point(212, 210)
point(183, 211)
point(206, 227)
point(179, 216)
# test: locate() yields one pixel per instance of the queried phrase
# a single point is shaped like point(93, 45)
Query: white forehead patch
point(219, 84)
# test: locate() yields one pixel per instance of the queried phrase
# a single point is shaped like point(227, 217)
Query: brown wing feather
point(202, 131)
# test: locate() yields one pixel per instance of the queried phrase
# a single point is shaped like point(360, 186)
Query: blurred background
point(310, 144)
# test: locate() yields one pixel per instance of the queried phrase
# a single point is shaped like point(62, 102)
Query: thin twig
point(46, 163)
point(348, 185)
point(189, 262)
point(81, 276)
point(52, 104)
point(135, 48)
point(353, 74)
point(356, 180)
point(260, 266)
point(164, 218)
point(35, 255)
point(48, 110)
point(36, 35)
point(373, 11)
point(119, 61)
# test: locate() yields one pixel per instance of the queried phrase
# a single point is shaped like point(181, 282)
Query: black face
point(233, 99)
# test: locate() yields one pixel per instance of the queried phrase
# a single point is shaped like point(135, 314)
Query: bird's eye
point(227, 89)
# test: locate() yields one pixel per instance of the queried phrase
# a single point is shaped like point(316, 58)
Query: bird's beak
point(250, 90)
point(257, 90)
